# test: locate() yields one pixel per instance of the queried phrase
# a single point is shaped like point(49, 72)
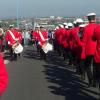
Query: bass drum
point(17, 47)
point(47, 47)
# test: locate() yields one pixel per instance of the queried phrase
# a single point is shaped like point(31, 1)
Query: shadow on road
point(62, 79)
point(32, 54)
point(64, 82)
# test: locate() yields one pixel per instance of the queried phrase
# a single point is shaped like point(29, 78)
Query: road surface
point(31, 78)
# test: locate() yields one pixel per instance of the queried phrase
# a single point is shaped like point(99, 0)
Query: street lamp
point(17, 13)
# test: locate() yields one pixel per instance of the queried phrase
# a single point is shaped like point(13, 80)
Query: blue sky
point(29, 8)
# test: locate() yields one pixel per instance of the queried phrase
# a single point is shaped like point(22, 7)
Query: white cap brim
point(82, 25)
point(91, 14)
point(65, 24)
point(60, 25)
point(79, 20)
point(37, 26)
point(70, 24)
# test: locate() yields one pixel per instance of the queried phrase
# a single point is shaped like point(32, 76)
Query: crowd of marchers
point(79, 43)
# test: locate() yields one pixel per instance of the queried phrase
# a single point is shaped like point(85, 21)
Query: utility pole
point(18, 13)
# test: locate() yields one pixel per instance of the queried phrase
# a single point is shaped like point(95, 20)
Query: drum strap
point(12, 35)
point(41, 36)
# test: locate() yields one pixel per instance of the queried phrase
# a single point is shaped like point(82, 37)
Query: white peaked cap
point(65, 24)
point(42, 26)
point(38, 26)
point(74, 22)
point(12, 25)
point(79, 20)
point(57, 27)
point(60, 25)
point(91, 14)
point(82, 25)
point(70, 24)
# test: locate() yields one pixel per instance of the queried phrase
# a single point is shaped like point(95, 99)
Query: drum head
point(18, 48)
point(47, 47)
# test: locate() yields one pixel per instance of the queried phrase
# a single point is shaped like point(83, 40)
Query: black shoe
point(94, 84)
point(83, 77)
point(44, 57)
point(90, 85)
point(64, 59)
point(15, 58)
point(41, 57)
point(18, 55)
point(11, 59)
point(69, 63)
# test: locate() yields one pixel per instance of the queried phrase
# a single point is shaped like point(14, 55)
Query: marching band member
point(73, 44)
point(3, 76)
point(42, 38)
point(81, 49)
point(35, 36)
point(90, 45)
point(64, 42)
point(11, 41)
point(55, 39)
point(96, 63)
point(59, 36)
point(19, 38)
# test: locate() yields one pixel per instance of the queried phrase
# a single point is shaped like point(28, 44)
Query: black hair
point(91, 17)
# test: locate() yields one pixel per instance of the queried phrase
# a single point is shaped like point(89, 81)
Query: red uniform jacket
point(65, 38)
point(69, 39)
point(81, 48)
point(96, 36)
point(35, 35)
point(56, 34)
point(9, 38)
point(43, 40)
point(74, 33)
point(62, 33)
point(3, 76)
point(59, 35)
point(90, 45)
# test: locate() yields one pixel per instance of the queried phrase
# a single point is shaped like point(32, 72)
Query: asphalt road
point(33, 79)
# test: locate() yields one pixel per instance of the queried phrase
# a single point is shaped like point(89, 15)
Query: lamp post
point(18, 13)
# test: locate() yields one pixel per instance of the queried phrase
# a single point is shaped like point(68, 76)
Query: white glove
point(8, 42)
